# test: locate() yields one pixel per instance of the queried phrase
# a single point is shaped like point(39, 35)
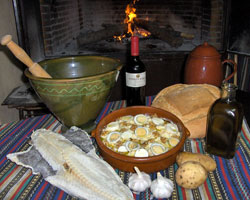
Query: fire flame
point(130, 15)
point(129, 20)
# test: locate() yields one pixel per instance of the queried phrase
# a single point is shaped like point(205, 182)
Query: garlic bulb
point(139, 181)
point(162, 187)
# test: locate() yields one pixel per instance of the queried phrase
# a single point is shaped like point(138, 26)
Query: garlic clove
point(162, 187)
point(139, 181)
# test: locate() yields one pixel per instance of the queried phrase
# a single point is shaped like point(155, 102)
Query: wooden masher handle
point(21, 55)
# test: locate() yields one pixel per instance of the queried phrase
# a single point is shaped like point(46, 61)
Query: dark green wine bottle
point(135, 76)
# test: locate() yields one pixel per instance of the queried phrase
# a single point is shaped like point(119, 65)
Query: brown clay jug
point(204, 66)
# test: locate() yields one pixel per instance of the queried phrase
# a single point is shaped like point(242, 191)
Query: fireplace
point(56, 28)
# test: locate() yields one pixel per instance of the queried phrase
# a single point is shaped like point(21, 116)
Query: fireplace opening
point(72, 27)
point(168, 31)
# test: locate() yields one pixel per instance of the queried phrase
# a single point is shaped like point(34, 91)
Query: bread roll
point(190, 103)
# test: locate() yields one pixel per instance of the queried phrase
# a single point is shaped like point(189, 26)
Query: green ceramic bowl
point(79, 88)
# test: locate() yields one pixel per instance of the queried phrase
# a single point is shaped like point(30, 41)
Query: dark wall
point(162, 70)
point(239, 27)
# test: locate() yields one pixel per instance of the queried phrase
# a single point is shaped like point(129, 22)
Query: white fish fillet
point(79, 174)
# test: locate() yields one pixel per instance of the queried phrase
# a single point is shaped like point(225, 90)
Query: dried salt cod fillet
point(79, 138)
point(109, 186)
point(31, 158)
point(50, 145)
point(79, 174)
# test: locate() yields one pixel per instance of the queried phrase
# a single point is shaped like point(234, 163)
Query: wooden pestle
point(20, 54)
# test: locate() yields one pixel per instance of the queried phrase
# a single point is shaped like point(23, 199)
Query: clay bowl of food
point(78, 89)
point(147, 137)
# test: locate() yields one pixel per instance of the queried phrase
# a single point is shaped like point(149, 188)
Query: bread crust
point(190, 103)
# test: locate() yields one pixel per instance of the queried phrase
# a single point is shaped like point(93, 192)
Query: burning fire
point(129, 20)
point(130, 15)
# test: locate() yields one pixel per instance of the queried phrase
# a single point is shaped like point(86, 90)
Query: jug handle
point(235, 68)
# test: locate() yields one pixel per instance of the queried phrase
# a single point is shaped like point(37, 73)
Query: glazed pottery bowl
point(79, 88)
point(146, 164)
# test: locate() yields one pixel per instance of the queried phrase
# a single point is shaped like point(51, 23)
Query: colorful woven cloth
point(230, 180)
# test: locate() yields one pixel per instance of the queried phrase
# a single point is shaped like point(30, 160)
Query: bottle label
point(135, 80)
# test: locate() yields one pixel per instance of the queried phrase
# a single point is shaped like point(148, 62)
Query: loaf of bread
point(190, 103)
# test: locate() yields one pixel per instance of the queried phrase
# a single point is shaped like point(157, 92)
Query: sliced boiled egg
point(173, 141)
point(141, 132)
point(112, 126)
point(113, 137)
point(157, 148)
point(166, 134)
point(141, 153)
point(140, 119)
point(171, 128)
point(127, 134)
point(130, 145)
point(160, 127)
point(122, 149)
point(126, 118)
point(131, 153)
point(157, 121)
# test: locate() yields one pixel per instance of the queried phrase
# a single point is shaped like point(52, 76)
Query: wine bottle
point(135, 76)
point(224, 123)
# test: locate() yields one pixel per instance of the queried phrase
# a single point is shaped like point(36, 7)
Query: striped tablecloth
point(230, 180)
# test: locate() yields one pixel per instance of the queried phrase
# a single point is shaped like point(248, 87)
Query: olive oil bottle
point(224, 123)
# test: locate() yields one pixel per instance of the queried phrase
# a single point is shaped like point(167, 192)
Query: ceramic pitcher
point(204, 65)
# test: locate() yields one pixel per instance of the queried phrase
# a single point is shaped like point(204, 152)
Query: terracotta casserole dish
point(147, 164)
